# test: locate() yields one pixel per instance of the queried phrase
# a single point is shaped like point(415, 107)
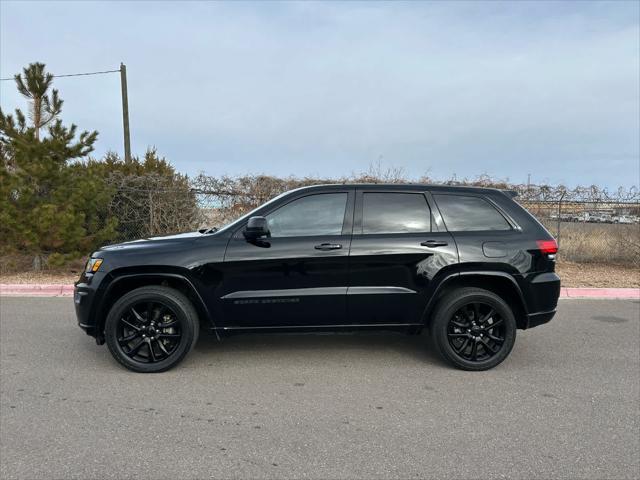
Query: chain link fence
point(595, 232)
point(590, 224)
point(150, 205)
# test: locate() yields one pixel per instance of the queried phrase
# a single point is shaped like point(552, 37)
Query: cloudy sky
point(438, 88)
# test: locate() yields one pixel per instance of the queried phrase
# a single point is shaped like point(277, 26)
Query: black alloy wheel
point(149, 332)
point(151, 329)
point(476, 332)
point(472, 328)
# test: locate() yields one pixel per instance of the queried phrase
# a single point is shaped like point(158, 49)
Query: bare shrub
point(147, 205)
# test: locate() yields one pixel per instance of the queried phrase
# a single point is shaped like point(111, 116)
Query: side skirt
point(408, 328)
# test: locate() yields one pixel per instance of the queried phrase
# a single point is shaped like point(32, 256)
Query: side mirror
point(257, 227)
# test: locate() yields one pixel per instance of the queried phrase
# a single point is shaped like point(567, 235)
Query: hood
point(155, 241)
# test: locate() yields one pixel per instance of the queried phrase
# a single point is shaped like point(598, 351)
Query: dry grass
point(572, 275)
point(601, 243)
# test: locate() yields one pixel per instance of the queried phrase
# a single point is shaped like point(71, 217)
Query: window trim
point(513, 226)
point(358, 221)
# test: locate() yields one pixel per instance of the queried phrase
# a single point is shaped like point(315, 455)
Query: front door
point(297, 276)
point(396, 252)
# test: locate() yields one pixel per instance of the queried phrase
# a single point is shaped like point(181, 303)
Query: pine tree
point(34, 85)
point(45, 193)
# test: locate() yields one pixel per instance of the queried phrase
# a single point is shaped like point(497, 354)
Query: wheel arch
point(500, 283)
point(126, 281)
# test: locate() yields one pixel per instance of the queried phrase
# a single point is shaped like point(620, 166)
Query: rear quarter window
point(467, 213)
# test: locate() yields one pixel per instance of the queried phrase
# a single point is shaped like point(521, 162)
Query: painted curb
point(603, 293)
point(39, 290)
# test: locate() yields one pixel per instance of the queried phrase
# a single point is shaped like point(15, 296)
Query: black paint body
point(385, 281)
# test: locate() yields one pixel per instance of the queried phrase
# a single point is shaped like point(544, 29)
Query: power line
point(74, 74)
point(125, 102)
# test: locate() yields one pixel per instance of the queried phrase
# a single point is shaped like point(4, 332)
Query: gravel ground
point(565, 404)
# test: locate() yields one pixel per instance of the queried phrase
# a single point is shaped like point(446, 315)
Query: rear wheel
point(151, 329)
point(473, 329)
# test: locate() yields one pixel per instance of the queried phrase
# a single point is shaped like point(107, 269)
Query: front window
point(313, 215)
point(250, 213)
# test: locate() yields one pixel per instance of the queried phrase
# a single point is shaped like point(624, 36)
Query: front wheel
point(473, 329)
point(151, 329)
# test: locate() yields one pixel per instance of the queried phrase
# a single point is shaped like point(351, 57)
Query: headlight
point(93, 265)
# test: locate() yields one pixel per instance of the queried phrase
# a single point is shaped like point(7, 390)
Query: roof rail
point(510, 193)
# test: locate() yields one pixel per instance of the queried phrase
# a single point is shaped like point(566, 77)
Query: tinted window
point(320, 214)
point(395, 213)
point(461, 213)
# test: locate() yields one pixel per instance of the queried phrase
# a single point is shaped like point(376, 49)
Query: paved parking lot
point(565, 404)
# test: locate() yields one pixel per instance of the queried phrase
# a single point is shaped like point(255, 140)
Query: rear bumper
point(541, 295)
point(539, 318)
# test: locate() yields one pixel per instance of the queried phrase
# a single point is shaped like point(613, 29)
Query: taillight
point(549, 247)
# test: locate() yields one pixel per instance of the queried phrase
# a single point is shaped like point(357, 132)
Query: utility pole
point(125, 112)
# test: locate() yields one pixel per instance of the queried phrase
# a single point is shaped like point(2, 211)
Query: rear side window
point(467, 214)
point(395, 213)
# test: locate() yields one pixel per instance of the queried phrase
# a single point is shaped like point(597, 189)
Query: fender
point(478, 273)
point(201, 306)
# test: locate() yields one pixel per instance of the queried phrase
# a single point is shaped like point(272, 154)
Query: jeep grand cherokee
point(469, 265)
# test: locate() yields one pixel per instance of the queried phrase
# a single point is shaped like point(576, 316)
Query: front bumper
point(84, 296)
point(82, 303)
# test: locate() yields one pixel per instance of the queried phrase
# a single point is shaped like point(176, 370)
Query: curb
point(602, 293)
point(39, 290)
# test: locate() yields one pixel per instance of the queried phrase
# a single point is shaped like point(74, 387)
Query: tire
point(456, 322)
point(139, 343)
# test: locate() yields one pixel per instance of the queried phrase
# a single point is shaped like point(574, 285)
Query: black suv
point(468, 264)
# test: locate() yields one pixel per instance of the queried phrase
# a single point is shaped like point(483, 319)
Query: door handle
point(328, 246)
point(434, 243)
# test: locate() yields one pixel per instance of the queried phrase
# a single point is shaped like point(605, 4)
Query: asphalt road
point(565, 404)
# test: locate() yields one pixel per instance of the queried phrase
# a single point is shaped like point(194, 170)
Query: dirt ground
point(594, 275)
point(66, 278)
point(572, 275)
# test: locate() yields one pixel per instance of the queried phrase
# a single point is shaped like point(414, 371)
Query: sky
point(508, 89)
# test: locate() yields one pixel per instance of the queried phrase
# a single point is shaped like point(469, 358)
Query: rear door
point(298, 276)
point(397, 250)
